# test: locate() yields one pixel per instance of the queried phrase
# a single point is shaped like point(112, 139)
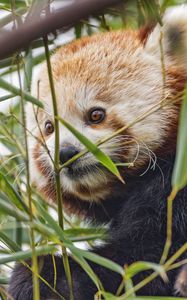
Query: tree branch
point(35, 28)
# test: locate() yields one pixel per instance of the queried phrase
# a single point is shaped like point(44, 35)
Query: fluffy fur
point(122, 73)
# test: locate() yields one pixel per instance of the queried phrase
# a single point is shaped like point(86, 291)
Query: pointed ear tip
point(175, 21)
point(145, 31)
point(175, 14)
point(174, 32)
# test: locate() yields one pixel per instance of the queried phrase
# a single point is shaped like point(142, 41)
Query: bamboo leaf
point(86, 267)
point(152, 9)
point(108, 296)
point(8, 209)
point(128, 287)
point(16, 91)
point(9, 18)
point(53, 224)
point(140, 266)
point(4, 280)
point(67, 243)
point(6, 62)
point(22, 255)
point(100, 155)
point(6, 97)
point(12, 193)
point(179, 177)
point(81, 253)
point(11, 244)
point(157, 298)
point(85, 234)
point(102, 261)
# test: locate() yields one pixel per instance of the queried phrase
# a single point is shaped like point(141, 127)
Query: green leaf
point(108, 296)
point(129, 287)
point(166, 3)
point(102, 261)
point(10, 244)
point(179, 176)
point(14, 90)
point(10, 17)
point(86, 267)
point(53, 224)
point(6, 97)
point(8, 209)
point(4, 280)
point(6, 62)
point(152, 9)
point(85, 234)
point(100, 155)
point(80, 254)
point(72, 232)
point(67, 243)
point(158, 298)
point(7, 187)
point(140, 266)
point(22, 255)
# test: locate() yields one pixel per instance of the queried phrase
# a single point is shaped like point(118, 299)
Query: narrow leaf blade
point(179, 177)
point(100, 155)
point(17, 92)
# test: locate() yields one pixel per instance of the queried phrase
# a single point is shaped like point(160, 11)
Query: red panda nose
point(67, 152)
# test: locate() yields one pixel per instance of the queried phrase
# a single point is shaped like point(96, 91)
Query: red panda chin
point(83, 192)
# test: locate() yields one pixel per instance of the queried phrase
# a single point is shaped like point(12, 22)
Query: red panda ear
point(174, 35)
point(145, 31)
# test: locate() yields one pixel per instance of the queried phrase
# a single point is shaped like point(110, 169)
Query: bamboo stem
point(36, 290)
point(169, 225)
point(57, 168)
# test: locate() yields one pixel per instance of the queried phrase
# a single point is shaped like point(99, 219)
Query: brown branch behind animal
point(21, 37)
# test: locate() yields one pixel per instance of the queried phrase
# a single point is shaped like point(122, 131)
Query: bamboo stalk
point(169, 225)
point(36, 289)
point(57, 169)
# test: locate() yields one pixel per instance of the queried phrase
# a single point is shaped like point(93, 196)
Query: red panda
point(103, 83)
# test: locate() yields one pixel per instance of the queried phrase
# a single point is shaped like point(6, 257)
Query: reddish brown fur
point(145, 31)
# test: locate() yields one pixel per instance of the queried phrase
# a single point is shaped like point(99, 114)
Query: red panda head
point(103, 83)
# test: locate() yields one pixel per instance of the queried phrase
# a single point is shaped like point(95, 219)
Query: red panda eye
point(96, 115)
point(49, 128)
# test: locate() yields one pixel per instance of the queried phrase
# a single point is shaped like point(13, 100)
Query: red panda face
point(103, 83)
